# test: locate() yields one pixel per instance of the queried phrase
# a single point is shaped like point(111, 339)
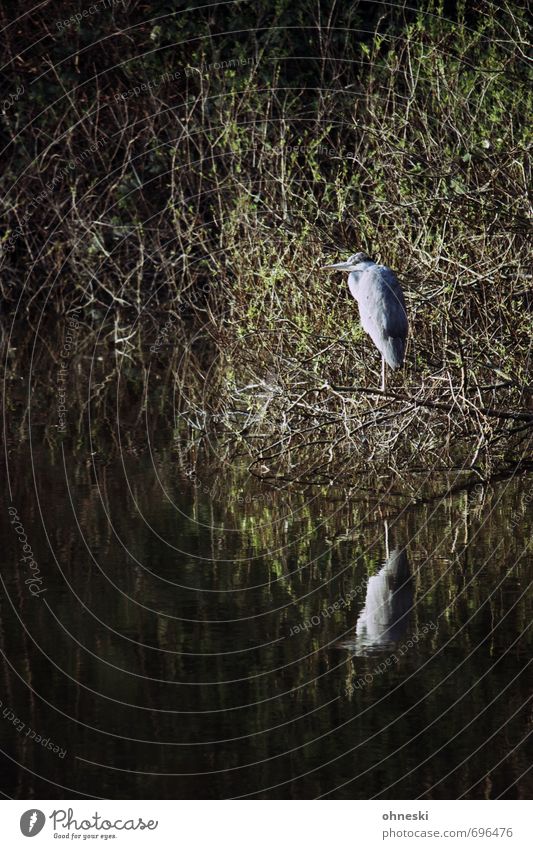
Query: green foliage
point(254, 141)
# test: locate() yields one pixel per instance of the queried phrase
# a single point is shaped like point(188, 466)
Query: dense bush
point(208, 162)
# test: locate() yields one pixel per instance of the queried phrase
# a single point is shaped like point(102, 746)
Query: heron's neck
point(355, 275)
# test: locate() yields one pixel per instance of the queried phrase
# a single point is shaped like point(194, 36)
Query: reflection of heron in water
point(389, 600)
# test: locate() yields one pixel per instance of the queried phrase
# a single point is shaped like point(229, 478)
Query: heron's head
point(353, 263)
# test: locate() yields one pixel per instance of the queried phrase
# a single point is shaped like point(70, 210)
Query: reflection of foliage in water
point(239, 568)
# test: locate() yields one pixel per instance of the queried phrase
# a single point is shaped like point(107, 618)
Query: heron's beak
point(340, 266)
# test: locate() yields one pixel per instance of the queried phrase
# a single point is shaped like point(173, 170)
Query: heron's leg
point(383, 374)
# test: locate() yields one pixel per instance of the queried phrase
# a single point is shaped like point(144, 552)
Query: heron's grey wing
point(383, 312)
point(395, 316)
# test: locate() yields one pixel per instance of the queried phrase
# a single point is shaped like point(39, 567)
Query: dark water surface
point(216, 638)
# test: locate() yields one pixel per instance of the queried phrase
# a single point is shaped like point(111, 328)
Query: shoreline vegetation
point(185, 225)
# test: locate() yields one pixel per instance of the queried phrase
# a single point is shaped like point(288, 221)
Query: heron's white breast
point(355, 276)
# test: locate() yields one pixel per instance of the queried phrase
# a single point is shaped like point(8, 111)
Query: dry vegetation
point(189, 220)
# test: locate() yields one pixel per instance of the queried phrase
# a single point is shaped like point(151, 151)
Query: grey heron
point(381, 307)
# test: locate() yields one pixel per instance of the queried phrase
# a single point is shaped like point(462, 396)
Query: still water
point(175, 637)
